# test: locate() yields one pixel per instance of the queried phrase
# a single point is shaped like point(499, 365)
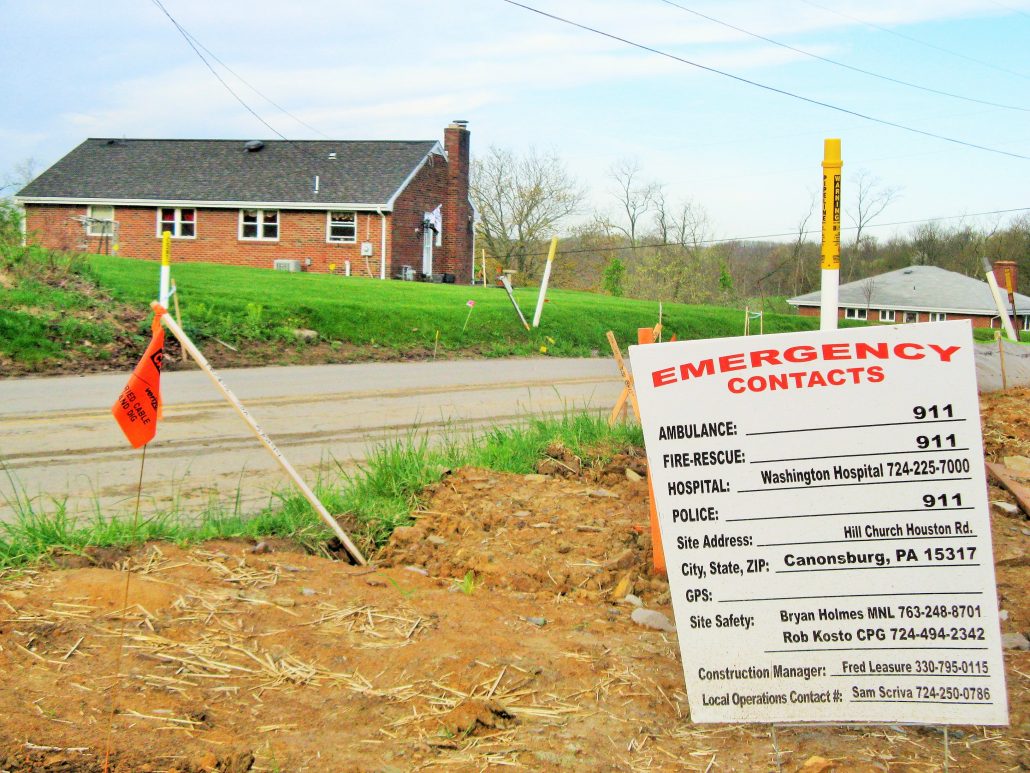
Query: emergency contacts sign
point(824, 515)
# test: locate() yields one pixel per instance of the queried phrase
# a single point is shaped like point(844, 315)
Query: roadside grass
point(373, 500)
point(238, 305)
point(49, 305)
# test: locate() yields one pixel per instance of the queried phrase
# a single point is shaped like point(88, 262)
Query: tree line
point(646, 245)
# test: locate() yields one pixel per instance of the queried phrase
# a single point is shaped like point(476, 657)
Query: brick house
point(374, 207)
point(921, 294)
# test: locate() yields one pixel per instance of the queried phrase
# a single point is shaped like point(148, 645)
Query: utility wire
point(253, 88)
point(902, 35)
point(842, 64)
point(186, 37)
point(805, 232)
point(764, 86)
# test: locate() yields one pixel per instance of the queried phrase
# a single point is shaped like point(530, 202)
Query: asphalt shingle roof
point(918, 288)
point(363, 172)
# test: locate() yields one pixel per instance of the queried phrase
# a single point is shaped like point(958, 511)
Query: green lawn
point(236, 304)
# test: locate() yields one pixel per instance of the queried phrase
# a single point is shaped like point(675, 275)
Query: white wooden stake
point(266, 441)
point(543, 283)
point(992, 282)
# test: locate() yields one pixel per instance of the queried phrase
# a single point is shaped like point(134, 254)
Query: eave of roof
point(202, 204)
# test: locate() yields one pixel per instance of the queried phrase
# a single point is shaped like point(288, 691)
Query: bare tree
point(797, 253)
point(520, 201)
point(20, 175)
point(635, 199)
point(872, 197)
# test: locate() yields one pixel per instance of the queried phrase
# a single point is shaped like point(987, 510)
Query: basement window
point(886, 315)
point(911, 316)
point(342, 227)
point(259, 224)
point(180, 223)
point(855, 314)
point(100, 220)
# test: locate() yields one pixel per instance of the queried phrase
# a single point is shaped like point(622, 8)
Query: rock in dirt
point(633, 475)
point(1015, 641)
point(651, 618)
point(305, 335)
point(633, 600)
point(602, 493)
point(473, 716)
point(1005, 508)
point(816, 764)
point(541, 621)
point(1017, 463)
point(404, 534)
point(625, 586)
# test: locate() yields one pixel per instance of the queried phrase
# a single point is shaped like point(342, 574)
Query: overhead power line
point(758, 237)
point(253, 88)
point(902, 35)
point(759, 85)
point(834, 62)
point(186, 37)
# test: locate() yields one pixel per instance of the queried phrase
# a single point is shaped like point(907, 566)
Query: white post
point(511, 297)
point(309, 495)
point(992, 282)
point(543, 283)
point(828, 295)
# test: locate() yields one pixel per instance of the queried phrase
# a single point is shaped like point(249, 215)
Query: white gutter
point(382, 244)
point(317, 205)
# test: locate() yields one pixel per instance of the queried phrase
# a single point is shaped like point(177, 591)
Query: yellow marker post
point(544, 281)
point(831, 234)
point(166, 268)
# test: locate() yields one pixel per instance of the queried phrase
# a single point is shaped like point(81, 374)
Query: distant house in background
point(388, 208)
point(920, 294)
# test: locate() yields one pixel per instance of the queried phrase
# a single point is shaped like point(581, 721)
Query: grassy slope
point(236, 304)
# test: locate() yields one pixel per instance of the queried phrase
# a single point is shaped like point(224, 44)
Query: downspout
point(382, 243)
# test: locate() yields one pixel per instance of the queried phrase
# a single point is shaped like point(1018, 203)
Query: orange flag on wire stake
point(138, 407)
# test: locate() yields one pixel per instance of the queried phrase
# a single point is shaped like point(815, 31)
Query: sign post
point(823, 511)
point(831, 234)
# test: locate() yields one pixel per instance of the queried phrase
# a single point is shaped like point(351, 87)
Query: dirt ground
point(489, 635)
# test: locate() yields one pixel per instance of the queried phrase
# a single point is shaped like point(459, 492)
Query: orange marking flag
point(138, 407)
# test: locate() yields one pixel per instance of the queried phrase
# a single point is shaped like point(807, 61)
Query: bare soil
point(488, 635)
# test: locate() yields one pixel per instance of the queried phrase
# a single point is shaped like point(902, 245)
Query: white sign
point(824, 515)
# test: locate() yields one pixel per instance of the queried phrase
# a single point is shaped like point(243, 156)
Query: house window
point(180, 223)
point(100, 220)
point(260, 224)
point(854, 313)
point(886, 315)
point(343, 227)
point(911, 316)
point(1026, 322)
point(938, 316)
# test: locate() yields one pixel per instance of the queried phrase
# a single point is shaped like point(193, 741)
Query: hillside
point(90, 313)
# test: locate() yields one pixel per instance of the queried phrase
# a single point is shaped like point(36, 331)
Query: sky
point(403, 69)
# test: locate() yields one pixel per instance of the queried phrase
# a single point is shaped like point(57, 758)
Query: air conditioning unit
point(366, 249)
point(286, 265)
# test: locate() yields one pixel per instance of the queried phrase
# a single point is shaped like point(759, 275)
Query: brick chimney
point(457, 211)
point(1000, 268)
